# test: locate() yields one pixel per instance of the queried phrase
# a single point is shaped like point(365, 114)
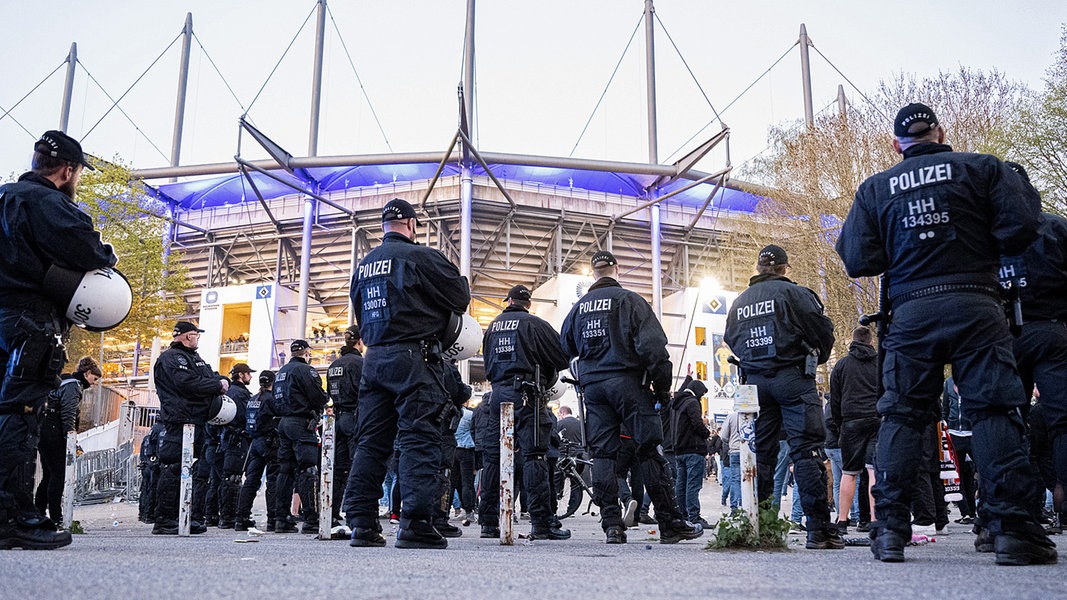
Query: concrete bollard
point(69, 477)
point(185, 490)
point(746, 403)
point(329, 442)
point(507, 473)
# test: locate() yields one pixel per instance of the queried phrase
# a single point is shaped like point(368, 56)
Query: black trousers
point(298, 461)
point(52, 451)
point(262, 457)
point(170, 473)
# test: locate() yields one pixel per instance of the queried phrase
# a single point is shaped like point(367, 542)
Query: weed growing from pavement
point(76, 527)
point(734, 531)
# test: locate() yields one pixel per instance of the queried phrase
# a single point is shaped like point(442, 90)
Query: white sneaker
point(943, 531)
point(628, 514)
point(927, 530)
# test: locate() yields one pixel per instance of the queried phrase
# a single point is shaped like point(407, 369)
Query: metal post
point(70, 476)
point(185, 491)
point(468, 70)
point(316, 83)
point(353, 262)
point(842, 102)
point(507, 472)
point(68, 87)
point(746, 403)
point(653, 158)
point(183, 86)
point(326, 481)
point(305, 266)
point(805, 77)
point(657, 263)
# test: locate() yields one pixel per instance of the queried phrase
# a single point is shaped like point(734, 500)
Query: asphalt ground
point(118, 558)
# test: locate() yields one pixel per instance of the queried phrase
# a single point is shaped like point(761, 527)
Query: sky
point(541, 68)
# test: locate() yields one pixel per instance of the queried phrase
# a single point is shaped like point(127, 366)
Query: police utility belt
point(944, 288)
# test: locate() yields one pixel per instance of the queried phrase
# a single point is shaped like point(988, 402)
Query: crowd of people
point(938, 229)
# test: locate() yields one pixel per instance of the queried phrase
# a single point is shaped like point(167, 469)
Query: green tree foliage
point(816, 174)
point(1038, 136)
point(128, 220)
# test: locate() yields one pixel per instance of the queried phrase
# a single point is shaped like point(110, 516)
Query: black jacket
point(687, 426)
point(775, 323)
point(515, 342)
point(484, 432)
point(298, 390)
point(342, 379)
point(938, 217)
point(1039, 274)
point(61, 413)
point(406, 292)
point(185, 385)
point(41, 226)
point(261, 419)
point(240, 395)
point(854, 385)
point(613, 332)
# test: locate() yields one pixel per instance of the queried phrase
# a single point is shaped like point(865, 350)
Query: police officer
point(622, 353)
point(458, 393)
point(186, 386)
point(406, 293)
point(342, 381)
point(934, 226)
point(149, 465)
point(1036, 282)
point(514, 345)
point(779, 332)
point(261, 423)
point(60, 420)
point(42, 227)
point(234, 446)
point(299, 399)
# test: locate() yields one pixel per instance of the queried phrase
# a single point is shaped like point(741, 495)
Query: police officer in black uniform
point(934, 227)
point(261, 424)
point(342, 381)
point(1036, 282)
point(41, 227)
point(186, 386)
point(779, 332)
point(149, 465)
point(624, 370)
point(299, 400)
point(406, 294)
point(234, 446)
point(60, 420)
point(514, 345)
point(458, 393)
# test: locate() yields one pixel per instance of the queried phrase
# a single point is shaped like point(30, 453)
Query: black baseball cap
point(241, 368)
point(772, 255)
point(398, 209)
point(352, 334)
point(603, 259)
point(60, 145)
point(519, 292)
point(913, 120)
point(185, 327)
point(299, 345)
point(266, 378)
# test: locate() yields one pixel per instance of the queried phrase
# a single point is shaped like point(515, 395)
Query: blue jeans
point(688, 483)
point(733, 482)
point(781, 473)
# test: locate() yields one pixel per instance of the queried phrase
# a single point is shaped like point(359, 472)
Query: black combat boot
point(366, 538)
point(420, 534)
point(616, 535)
point(549, 532)
point(886, 545)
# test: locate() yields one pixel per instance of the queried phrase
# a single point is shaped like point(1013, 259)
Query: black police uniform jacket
point(61, 414)
point(515, 342)
point(690, 435)
point(854, 385)
point(41, 226)
point(938, 217)
point(406, 292)
point(261, 419)
point(342, 379)
point(613, 332)
point(298, 390)
point(775, 324)
point(185, 385)
point(1039, 274)
point(240, 395)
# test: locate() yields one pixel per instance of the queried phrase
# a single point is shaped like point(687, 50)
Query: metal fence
point(105, 474)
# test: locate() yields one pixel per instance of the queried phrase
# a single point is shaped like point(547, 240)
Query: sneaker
point(525, 516)
point(796, 527)
point(549, 533)
point(457, 512)
point(284, 527)
point(616, 535)
point(965, 520)
point(467, 518)
point(311, 527)
point(1012, 549)
point(33, 538)
point(243, 524)
point(1054, 527)
point(366, 538)
point(700, 521)
point(420, 534)
point(628, 514)
point(165, 528)
point(842, 527)
point(942, 531)
point(887, 546)
point(447, 529)
point(679, 530)
point(927, 530)
point(394, 519)
point(828, 538)
point(490, 531)
point(644, 519)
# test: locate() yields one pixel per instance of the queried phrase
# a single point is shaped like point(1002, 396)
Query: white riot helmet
point(222, 410)
point(462, 338)
point(97, 300)
point(554, 392)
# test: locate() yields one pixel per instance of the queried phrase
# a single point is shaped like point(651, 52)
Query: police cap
point(266, 378)
point(398, 210)
point(185, 327)
point(60, 145)
point(352, 334)
point(914, 120)
point(241, 368)
point(603, 259)
point(772, 255)
point(299, 345)
point(520, 293)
